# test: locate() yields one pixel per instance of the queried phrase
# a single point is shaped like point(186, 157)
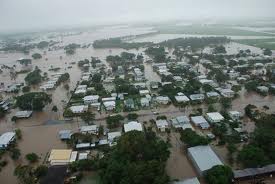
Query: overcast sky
point(28, 14)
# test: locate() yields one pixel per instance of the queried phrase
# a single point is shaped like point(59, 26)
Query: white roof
point(23, 114)
point(82, 156)
point(215, 116)
point(108, 99)
point(112, 135)
point(6, 138)
point(90, 128)
point(91, 97)
point(204, 157)
point(109, 103)
point(162, 123)
point(163, 98)
point(198, 120)
point(133, 125)
point(197, 97)
point(78, 108)
point(182, 98)
point(73, 156)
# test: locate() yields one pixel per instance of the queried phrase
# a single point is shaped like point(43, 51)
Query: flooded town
point(184, 101)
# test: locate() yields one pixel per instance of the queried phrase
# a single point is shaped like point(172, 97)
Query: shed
point(203, 158)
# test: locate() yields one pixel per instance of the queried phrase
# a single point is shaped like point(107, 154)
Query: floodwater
point(41, 138)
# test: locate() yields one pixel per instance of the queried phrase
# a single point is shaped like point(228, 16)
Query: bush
point(32, 157)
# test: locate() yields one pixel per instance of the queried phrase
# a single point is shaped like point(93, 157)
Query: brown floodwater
point(41, 138)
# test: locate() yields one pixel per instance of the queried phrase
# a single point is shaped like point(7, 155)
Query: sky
point(17, 15)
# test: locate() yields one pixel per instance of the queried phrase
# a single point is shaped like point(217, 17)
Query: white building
point(23, 114)
point(91, 129)
point(81, 89)
point(79, 109)
point(144, 92)
point(109, 105)
point(144, 102)
point(6, 139)
point(212, 94)
point(112, 136)
point(200, 121)
point(162, 100)
point(162, 125)
point(197, 97)
point(228, 93)
point(235, 115)
point(214, 117)
point(91, 99)
point(133, 125)
point(182, 99)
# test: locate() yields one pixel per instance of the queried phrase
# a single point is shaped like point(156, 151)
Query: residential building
point(235, 115)
point(214, 117)
point(129, 103)
point(133, 125)
point(61, 156)
point(197, 97)
point(162, 100)
point(6, 139)
point(144, 102)
point(162, 125)
point(91, 99)
point(200, 121)
point(109, 105)
point(182, 99)
point(23, 114)
point(91, 129)
point(79, 109)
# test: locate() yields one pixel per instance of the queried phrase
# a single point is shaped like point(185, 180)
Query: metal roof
point(204, 157)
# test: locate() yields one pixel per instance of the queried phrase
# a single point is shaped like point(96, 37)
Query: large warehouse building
point(203, 158)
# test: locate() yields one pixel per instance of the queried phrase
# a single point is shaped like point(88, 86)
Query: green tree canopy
point(137, 158)
point(219, 174)
point(33, 101)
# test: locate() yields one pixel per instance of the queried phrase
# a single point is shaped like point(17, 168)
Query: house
point(61, 156)
point(140, 85)
point(235, 115)
point(228, 93)
point(82, 156)
point(133, 125)
point(79, 109)
point(154, 85)
point(182, 99)
point(138, 74)
point(200, 121)
point(81, 89)
point(162, 125)
point(212, 94)
point(91, 99)
point(203, 158)
point(129, 103)
point(112, 136)
point(23, 114)
point(162, 100)
point(214, 117)
point(65, 134)
point(109, 105)
point(108, 99)
point(144, 102)
point(262, 89)
point(91, 129)
point(144, 92)
point(177, 78)
point(197, 97)
point(46, 87)
point(6, 139)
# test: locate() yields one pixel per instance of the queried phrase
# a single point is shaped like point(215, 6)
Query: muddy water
point(40, 138)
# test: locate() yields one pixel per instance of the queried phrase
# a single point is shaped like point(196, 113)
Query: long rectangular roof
point(204, 157)
point(6, 138)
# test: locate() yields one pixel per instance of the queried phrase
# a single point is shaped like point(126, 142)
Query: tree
point(251, 85)
point(25, 174)
point(132, 116)
point(18, 134)
point(219, 50)
point(226, 103)
point(26, 89)
point(54, 109)
point(36, 56)
point(33, 101)
point(114, 121)
point(219, 174)
point(2, 112)
point(138, 157)
point(88, 117)
point(41, 171)
point(64, 77)
point(252, 156)
point(267, 52)
point(33, 77)
point(15, 153)
point(32, 157)
point(191, 138)
point(96, 78)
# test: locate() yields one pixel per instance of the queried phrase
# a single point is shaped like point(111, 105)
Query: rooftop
point(133, 125)
point(204, 157)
